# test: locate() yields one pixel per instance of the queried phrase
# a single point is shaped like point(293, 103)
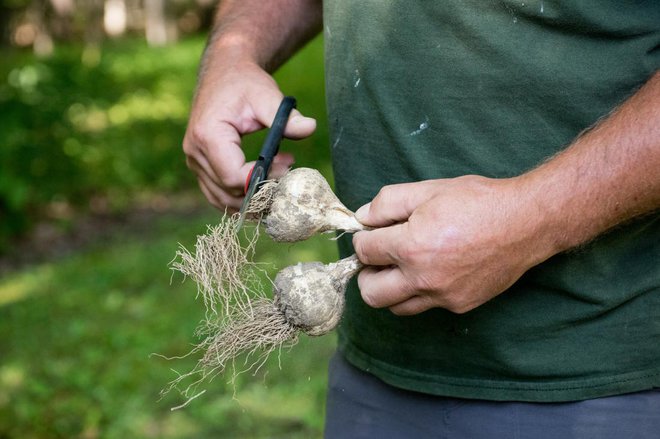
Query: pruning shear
point(271, 146)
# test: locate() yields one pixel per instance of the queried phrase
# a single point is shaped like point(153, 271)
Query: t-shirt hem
point(501, 390)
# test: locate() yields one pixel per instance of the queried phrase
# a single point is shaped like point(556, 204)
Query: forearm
point(607, 176)
point(264, 32)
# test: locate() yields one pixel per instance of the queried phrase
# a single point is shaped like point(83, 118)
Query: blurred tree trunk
point(93, 22)
point(159, 30)
point(43, 41)
point(41, 23)
point(5, 19)
point(61, 22)
point(93, 32)
point(115, 17)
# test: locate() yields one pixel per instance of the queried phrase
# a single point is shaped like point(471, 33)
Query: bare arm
point(264, 32)
point(236, 94)
point(457, 243)
point(608, 176)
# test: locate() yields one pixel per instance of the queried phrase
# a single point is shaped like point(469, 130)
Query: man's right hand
point(234, 98)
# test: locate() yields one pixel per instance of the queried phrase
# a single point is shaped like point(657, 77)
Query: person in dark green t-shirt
point(509, 162)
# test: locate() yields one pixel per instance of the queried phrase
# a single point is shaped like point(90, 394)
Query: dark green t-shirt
point(434, 89)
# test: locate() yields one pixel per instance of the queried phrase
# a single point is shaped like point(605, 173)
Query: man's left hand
point(452, 243)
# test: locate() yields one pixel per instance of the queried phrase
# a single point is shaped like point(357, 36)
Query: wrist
point(525, 225)
point(231, 49)
point(545, 208)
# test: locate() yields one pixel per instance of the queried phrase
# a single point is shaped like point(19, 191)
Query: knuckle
point(197, 135)
point(412, 252)
point(382, 198)
point(407, 253)
point(368, 295)
point(458, 306)
point(358, 246)
point(400, 311)
point(188, 146)
point(415, 305)
point(393, 193)
point(456, 309)
point(231, 180)
point(421, 284)
point(370, 298)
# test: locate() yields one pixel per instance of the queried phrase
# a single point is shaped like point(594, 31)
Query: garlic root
point(308, 297)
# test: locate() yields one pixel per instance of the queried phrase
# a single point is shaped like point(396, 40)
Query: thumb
point(299, 126)
point(394, 204)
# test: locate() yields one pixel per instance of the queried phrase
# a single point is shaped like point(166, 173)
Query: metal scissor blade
point(255, 181)
point(268, 152)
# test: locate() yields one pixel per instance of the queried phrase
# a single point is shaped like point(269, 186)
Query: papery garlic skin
point(311, 294)
point(303, 204)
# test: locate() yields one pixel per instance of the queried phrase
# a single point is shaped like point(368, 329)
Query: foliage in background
point(75, 133)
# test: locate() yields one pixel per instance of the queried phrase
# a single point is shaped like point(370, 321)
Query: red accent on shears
point(247, 181)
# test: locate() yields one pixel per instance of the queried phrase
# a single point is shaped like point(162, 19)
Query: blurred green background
point(94, 199)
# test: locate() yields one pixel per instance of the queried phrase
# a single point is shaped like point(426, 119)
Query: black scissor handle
point(273, 139)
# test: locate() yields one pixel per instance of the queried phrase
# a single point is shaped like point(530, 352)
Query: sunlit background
point(94, 200)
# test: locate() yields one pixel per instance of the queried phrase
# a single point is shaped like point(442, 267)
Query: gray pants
point(362, 406)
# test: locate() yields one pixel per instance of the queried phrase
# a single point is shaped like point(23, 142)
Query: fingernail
point(299, 118)
point(363, 212)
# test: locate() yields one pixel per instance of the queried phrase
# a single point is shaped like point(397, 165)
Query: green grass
point(78, 333)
